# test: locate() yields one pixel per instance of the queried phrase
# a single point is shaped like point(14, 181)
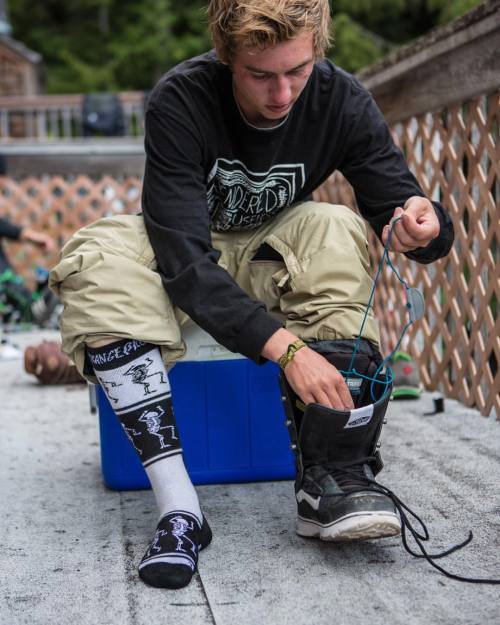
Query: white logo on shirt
point(240, 198)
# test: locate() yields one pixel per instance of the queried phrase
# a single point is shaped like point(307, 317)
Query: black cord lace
point(347, 480)
point(351, 477)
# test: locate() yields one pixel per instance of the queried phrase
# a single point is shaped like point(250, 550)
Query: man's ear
point(222, 56)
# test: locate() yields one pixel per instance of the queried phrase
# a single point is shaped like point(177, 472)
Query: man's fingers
point(315, 380)
point(338, 397)
point(413, 227)
point(396, 244)
point(401, 241)
point(337, 394)
point(307, 398)
point(330, 400)
point(418, 230)
point(406, 234)
point(423, 222)
point(335, 398)
point(345, 396)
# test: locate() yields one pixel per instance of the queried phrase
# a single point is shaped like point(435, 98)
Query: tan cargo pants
point(108, 281)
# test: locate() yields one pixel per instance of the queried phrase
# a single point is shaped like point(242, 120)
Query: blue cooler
point(230, 418)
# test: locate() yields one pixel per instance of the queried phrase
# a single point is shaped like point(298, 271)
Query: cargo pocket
point(268, 277)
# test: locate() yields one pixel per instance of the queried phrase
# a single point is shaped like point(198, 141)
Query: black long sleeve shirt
point(207, 169)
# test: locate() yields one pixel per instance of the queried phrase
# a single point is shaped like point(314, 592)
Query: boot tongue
point(328, 435)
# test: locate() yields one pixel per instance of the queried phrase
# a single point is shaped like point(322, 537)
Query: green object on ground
point(406, 379)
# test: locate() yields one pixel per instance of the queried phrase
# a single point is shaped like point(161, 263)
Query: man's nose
point(281, 91)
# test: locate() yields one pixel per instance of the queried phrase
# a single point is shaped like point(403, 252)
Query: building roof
point(21, 50)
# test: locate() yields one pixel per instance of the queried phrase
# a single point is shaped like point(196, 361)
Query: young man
point(236, 142)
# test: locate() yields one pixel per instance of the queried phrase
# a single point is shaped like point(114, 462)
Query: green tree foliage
point(355, 46)
point(366, 30)
point(100, 45)
point(450, 9)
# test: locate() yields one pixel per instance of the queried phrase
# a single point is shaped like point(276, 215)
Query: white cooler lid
point(201, 346)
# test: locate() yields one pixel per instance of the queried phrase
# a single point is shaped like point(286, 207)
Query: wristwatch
point(290, 353)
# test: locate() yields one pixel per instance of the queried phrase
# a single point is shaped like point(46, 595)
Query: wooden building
point(21, 69)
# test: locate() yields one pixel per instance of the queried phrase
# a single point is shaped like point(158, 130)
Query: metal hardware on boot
point(292, 420)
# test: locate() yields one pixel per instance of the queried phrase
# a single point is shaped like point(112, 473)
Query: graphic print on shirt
point(240, 198)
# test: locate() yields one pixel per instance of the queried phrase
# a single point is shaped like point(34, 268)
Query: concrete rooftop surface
point(70, 547)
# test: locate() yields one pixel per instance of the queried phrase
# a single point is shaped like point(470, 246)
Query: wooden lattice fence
point(60, 206)
point(454, 152)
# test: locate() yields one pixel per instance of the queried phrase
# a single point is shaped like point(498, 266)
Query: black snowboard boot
point(337, 453)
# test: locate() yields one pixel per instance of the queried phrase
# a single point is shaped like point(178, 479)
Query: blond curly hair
point(263, 23)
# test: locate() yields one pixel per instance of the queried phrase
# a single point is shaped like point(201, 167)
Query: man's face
point(267, 82)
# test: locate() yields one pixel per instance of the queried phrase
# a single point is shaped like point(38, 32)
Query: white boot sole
point(363, 526)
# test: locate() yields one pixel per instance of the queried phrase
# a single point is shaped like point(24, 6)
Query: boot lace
point(351, 477)
point(348, 481)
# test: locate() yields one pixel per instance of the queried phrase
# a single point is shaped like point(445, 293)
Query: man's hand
point(417, 227)
point(315, 380)
point(310, 375)
point(40, 239)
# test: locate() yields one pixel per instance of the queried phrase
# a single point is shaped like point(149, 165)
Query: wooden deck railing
point(55, 117)
point(452, 148)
